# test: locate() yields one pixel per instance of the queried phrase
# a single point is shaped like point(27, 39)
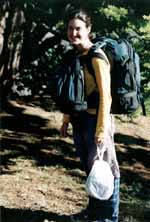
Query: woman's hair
point(78, 14)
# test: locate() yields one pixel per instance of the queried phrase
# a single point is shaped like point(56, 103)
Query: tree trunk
point(11, 41)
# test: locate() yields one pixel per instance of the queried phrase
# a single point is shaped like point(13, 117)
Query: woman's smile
point(77, 32)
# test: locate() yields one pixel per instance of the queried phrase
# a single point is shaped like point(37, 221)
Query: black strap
point(88, 60)
point(143, 105)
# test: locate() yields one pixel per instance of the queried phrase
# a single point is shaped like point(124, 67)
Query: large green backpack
point(125, 74)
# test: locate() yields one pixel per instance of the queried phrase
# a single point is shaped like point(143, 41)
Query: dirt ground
point(41, 177)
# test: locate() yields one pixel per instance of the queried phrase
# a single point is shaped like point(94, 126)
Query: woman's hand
point(99, 141)
point(63, 130)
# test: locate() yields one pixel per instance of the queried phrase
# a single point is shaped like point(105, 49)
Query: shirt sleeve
point(66, 118)
point(102, 75)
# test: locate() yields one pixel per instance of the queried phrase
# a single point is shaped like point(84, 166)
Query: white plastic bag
point(100, 182)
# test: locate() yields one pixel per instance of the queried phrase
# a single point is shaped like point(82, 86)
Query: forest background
point(41, 176)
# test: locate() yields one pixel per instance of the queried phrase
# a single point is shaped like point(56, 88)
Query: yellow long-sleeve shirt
point(102, 84)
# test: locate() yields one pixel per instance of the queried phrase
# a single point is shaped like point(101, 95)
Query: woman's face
point(77, 32)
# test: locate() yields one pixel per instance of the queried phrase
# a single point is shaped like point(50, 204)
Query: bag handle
point(100, 151)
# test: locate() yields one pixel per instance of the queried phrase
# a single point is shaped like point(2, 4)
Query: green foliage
point(145, 29)
point(114, 13)
point(35, 78)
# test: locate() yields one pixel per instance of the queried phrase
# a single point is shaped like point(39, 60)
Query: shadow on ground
point(135, 214)
point(17, 215)
point(27, 136)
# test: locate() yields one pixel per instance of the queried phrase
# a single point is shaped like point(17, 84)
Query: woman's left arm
point(102, 75)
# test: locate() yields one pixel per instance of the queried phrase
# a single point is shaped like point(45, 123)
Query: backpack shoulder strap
point(96, 51)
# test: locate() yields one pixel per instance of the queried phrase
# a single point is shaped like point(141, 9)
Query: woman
point(93, 128)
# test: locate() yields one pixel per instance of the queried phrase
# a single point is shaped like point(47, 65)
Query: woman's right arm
point(65, 124)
